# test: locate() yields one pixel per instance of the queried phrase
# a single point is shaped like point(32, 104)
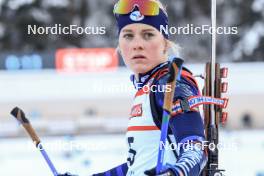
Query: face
point(142, 47)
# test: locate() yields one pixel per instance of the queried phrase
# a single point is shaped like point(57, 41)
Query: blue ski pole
point(21, 118)
point(174, 71)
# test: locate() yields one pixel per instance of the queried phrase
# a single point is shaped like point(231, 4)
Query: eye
point(128, 36)
point(148, 35)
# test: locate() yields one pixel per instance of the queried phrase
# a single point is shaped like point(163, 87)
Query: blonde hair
point(173, 48)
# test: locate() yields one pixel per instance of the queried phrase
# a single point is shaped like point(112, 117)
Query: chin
point(141, 70)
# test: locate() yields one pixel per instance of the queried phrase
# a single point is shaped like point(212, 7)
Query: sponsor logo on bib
point(136, 111)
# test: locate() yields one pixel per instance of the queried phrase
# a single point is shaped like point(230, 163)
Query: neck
point(137, 76)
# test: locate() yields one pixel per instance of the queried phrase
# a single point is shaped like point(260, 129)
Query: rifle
point(213, 115)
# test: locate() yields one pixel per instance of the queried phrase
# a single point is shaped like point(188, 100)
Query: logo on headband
point(136, 16)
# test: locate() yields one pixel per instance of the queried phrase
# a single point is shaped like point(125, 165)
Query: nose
point(138, 44)
point(138, 47)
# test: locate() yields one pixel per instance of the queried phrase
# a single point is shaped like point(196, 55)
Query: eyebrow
point(127, 30)
point(144, 30)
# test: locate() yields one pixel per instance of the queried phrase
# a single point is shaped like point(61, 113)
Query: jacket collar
point(143, 78)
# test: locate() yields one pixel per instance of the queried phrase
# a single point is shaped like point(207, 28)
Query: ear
point(118, 49)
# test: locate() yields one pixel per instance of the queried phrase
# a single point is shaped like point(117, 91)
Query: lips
point(139, 56)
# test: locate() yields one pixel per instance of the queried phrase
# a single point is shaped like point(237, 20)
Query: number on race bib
point(132, 153)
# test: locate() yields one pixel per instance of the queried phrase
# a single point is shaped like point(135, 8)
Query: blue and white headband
point(136, 17)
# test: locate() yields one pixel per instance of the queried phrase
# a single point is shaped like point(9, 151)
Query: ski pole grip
point(174, 71)
point(21, 118)
point(174, 67)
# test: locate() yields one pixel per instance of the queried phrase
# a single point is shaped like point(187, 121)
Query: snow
point(258, 5)
point(49, 85)
point(243, 154)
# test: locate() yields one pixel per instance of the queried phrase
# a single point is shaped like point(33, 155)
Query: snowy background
point(242, 154)
point(247, 15)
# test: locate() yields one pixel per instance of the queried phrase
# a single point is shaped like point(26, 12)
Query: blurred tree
point(247, 15)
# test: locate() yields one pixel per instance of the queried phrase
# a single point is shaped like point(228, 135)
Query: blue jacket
point(187, 126)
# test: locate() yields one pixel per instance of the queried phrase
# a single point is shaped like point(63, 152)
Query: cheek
point(124, 48)
point(156, 49)
point(157, 46)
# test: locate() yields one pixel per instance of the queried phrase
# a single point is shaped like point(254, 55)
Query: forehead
point(138, 27)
